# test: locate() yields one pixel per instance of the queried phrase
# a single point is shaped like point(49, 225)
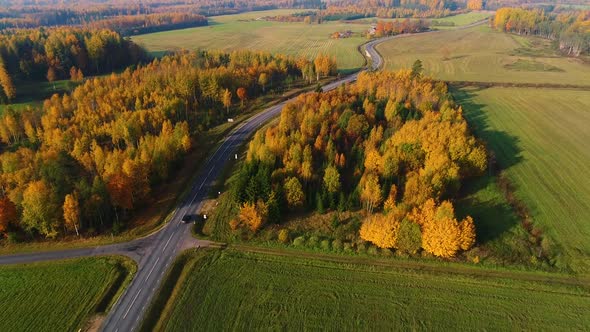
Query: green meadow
point(60, 295)
point(231, 290)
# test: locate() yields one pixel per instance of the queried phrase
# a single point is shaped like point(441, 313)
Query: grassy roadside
point(252, 288)
point(61, 295)
point(163, 303)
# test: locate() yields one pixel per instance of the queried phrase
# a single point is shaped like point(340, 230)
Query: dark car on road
point(186, 218)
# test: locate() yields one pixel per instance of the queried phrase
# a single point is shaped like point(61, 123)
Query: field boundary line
point(531, 276)
point(519, 85)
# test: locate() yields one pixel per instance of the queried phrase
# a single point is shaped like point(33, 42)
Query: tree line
point(394, 144)
point(390, 28)
point(138, 24)
point(86, 160)
point(571, 29)
point(497, 4)
point(351, 10)
point(51, 54)
point(24, 14)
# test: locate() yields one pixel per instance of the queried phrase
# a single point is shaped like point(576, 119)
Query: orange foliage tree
point(442, 234)
point(382, 230)
point(8, 214)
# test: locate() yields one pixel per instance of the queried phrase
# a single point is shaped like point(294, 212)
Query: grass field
point(243, 31)
point(540, 137)
point(233, 290)
point(458, 20)
point(480, 54)
point(59, 296)
point(501, 238)
point(462, 19)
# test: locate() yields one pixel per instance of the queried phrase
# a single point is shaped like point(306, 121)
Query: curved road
point(156, 252)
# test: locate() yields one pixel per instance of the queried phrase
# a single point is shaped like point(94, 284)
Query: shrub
point(320, 204)
point(335, 221)
point(374, 251)
point(268, 235)
point(325, 244)
point(299, 241)
point(402, 254)
point(409, 238)
point(313, 241)
point(361, 248)
point(12, 237)
point(386, 252)
point(347, 247)
point(116, 228)
point(284, 235)
point(342, 203)
point(234, 224)
point(337, 245)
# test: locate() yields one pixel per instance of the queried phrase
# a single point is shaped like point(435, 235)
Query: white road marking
point(132, 302)
point(166, 245)
point(152, 270)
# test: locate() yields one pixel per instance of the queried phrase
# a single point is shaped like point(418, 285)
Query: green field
point(462, 19)
point(458, 20)
point(233, 290)
point(482, 55)
point(540, 136)
point(59, 296)
point(244, 31)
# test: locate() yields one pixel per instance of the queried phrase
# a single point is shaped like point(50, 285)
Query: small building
point(341, 34)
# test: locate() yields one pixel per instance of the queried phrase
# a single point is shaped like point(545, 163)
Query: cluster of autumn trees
point(394, 144)
point(25, 14)
point(126, 22)
point(354, 12)
point(322, 66)
point(350, 10)
point(475, 4)
point(355, 9)
point(87, 159)
point(390, 28)
point(51, 54)
point(570, 28)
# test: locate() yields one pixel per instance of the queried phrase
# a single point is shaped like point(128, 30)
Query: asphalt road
point(155, 253)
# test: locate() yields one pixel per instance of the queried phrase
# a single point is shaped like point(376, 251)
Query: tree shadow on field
point(481, 200)
point(505, 147)
point(481, 197)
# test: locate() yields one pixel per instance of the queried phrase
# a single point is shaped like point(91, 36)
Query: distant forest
point(571, 29)
point(155, 15)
